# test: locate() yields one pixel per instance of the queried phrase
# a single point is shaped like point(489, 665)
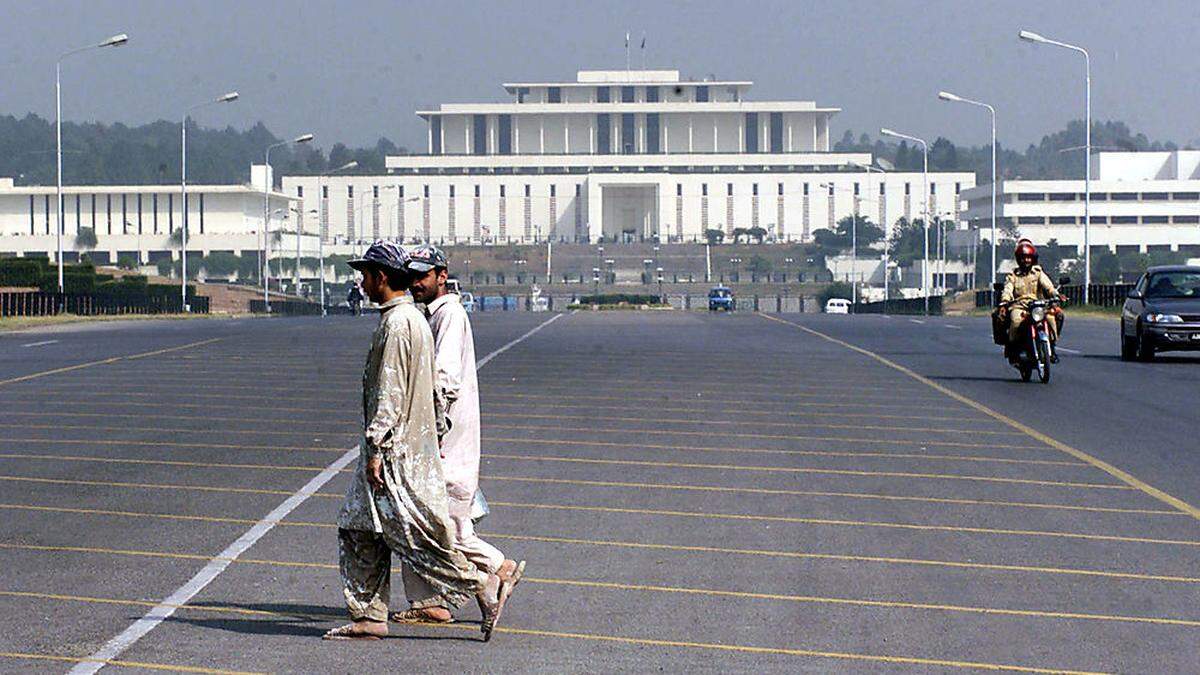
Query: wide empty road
point(745, 493)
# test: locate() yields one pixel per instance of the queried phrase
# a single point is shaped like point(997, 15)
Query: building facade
point(1140, 202)
point(619, 155)
point(138, 221)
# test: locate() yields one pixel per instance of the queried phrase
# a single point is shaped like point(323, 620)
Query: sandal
point(417, 616)
point(491, 610)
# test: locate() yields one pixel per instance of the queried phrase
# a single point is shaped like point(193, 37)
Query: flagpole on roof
point(627, 51)
point(643, 50)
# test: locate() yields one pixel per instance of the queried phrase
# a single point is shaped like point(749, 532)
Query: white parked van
point(837, 306)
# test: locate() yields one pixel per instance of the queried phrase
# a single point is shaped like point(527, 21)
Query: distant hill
point(116, 154)
point(1051, 159)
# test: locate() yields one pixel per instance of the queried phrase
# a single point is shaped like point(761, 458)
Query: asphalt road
point(692, 492)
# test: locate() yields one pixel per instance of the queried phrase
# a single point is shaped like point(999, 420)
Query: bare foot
point(359, 630)
point(424, 615)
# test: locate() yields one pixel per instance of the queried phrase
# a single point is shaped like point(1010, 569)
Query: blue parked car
point(720, 297)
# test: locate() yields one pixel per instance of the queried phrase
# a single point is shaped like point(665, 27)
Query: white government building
point(641, 155)
point(1140, 202)
point(138, 220)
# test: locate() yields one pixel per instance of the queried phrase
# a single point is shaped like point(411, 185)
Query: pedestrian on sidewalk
point(456, 382)
point(397, 502)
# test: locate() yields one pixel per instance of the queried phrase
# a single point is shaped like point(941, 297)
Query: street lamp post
point(924, 203)
point(1030, 36)
point(226, 98)
point(265, 268)
point(322, 227)
point(947, 96)
point(114, 41)
point(883, 226)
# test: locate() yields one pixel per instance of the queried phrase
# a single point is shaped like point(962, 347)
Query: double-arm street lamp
point(225, 98)
point(267, 185)
point(924, 204)
point(114, 41)
point(1030, 36)
point(947, 96)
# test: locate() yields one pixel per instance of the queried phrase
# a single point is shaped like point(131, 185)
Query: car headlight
point(1157, 317)
point(1037, 314)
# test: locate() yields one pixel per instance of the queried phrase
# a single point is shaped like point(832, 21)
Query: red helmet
point(1025, 247)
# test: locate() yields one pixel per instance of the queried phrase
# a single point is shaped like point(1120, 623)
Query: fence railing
point(1100, 295)
point(286, 307)
point(901, 306)
point(37, 303)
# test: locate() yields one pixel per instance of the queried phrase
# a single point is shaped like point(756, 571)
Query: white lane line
point(953, 327)
point(217, 564)
point(916, 321)
point(1068, 351)
point(39, 344)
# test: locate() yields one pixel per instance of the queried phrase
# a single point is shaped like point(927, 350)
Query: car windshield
point(718, 293)
point(1181, 284)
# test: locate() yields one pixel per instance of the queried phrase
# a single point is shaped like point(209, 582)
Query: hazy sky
point(354, 70)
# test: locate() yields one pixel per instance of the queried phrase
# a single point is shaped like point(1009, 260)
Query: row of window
point(1105, 196)
point(1108, 220)
point(729, 190)
point(628, 94)
point(133, 213)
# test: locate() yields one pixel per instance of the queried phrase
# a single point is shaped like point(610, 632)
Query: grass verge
point(10, 323)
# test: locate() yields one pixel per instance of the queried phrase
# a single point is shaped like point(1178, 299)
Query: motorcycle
point(1036, 352)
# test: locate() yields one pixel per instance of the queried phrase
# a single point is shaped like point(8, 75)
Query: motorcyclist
point(1023, 285)
point(354, 298)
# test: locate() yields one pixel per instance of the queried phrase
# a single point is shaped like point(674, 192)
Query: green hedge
point(23, 271)
point(618, 298)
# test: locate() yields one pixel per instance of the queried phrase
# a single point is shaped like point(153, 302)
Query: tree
point(714, 236)
point(738, 233)
point(908, 242)
point(868, 233)
point(127, 262)
point(85, 240)
point(758, 265)
point(838, 289)
point(757, 232)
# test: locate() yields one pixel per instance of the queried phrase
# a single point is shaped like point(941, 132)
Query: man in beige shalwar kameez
point(397, 501)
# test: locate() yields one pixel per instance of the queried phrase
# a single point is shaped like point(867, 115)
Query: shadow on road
point(298, 620)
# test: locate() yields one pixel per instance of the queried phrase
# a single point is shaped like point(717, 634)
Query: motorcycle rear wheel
point(1026, 371)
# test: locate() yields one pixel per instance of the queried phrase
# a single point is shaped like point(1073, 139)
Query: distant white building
point(642, 155)
point(139, 220)
point(1140, 201)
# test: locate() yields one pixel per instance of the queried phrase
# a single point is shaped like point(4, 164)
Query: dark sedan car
point(1162, 313)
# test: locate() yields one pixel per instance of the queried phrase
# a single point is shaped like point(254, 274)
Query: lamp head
point(888, 132)
point(347, 166)
point(1031, 36)
point(303, 139)
point(947, 96)
point(228, 98)
point(884, 164)
point(115, 41)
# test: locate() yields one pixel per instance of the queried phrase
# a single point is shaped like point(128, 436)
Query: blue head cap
point(385, 254)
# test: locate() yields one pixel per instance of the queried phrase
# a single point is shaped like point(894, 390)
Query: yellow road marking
point(784, 437)
point(330, 428)
point(163, 444)
point(1111, 470)
point(968, 609)
point(668, 420)
point(605, 638)
point(108, 402)
point(162, 430)
point(726, 409)
point(826, 493)
point(640, 486)
point(166, 462)
point(161, 486)
point(101, 362)
point(775, 451)
point(708, 401)
point(724, 467)
point(146, 392)
point(779, 397)
point(688, 514)
point(854, 523)
point(805, 470)
point(124, 664)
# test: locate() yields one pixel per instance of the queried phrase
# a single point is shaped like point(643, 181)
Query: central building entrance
point(629, 212)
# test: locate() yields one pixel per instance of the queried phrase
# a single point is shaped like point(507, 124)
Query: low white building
point(139, 220)
point(641, 155)
point(1140, 201)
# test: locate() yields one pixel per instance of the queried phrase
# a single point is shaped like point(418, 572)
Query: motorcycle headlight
point(1037, 314)
point(1157, 317)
